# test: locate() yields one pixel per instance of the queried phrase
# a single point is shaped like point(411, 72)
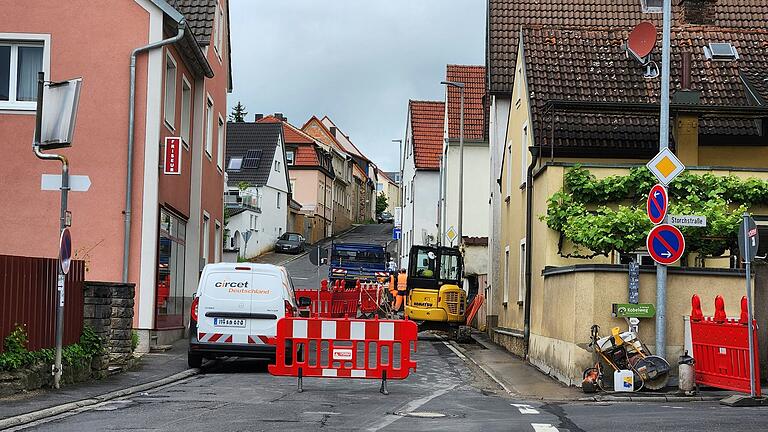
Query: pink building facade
point(176, 221)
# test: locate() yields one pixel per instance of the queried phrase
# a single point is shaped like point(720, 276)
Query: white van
point(235, 311)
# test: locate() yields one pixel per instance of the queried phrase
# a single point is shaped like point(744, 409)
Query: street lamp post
point(400, 204)
point(460, 86)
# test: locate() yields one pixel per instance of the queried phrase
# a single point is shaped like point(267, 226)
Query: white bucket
point(623, 381)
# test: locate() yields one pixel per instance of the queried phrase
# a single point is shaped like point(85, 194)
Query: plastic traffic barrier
point(346, 300)
point(344, 348)
point(721, 348)
point(370, 298)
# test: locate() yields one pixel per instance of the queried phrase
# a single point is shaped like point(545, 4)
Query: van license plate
point(229, 322)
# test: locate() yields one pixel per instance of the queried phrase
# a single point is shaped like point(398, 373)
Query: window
point(279, 198)
point(220, 144)
point(508, 171)
point(652, 6)
point(293, 185)
point(379, 187)
point(518, 87)
point(205, 235)
point(218, 244)
point(277, 166)
point(289, 155)
point(186, 110)
point(521, 277)
point(218, 34)
point(170, 90)
point(171, 299)
point(21, 58)
point(506, 275)
point(235, 163)
point(209, 128)
point(524, 155)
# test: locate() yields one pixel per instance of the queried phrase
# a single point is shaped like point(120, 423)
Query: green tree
point(381, 203)
point(238, 113)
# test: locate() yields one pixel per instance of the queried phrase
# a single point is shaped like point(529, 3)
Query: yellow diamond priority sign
point(665, 166)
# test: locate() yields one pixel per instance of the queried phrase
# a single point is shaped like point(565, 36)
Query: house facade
point(158, 229)
point(258, 181)
point(421, 175)
point(390, 188)
point(594, 126)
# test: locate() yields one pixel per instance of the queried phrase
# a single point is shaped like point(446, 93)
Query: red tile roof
point(427, 122)
point(306, 155)
point(473, 78)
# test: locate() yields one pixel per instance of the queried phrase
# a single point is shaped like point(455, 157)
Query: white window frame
point(278, 199)
point(519, 87)
point(186, 110)
point(521, 288)
point(506, 276)
point(292, 159)
point(206, 236)
point(524, 154)
point(218, 34)
point(169, 93)
point(218, 241)
point(220, 144)
point(24, 39)
point(508, 172)
point(209, 127)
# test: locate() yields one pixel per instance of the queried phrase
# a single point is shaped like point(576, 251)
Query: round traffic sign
point(658, 203)
point(65, 250)
point(665, 244)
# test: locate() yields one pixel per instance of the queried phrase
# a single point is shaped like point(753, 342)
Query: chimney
point(333, 131)
point(258, 117)
point(686, 125)
point(697, 12)
point(279, 116)
point(685, 79)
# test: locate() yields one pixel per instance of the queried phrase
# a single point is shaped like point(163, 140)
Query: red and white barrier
point(343, 348)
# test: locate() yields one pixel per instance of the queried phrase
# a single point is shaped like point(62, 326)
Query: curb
point(599, 398)
point(30, 417)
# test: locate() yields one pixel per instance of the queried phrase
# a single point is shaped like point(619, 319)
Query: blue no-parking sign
point(665, 244)
point(658, 203)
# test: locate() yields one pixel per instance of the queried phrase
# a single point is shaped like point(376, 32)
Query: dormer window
point(652, 6)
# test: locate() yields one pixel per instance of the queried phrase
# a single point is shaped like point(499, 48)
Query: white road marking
point(322, 412)
point(455, 351)
point(525, 409)
point(543, 427)
point(410, 406)
point(299, 278)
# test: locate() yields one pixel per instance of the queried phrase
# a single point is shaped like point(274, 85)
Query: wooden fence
point(28, 297)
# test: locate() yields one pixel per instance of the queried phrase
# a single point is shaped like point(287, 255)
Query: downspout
point(131, 127)
point(528, 244)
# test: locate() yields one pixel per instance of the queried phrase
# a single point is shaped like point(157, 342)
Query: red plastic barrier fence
point(343, 348)
point(721, 348)
point(473, 307)
point(370, 298)
point(346, 300)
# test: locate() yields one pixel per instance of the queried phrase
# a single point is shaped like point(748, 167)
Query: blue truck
point(353, 261)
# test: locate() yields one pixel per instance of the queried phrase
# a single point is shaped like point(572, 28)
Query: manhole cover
point(422, 414)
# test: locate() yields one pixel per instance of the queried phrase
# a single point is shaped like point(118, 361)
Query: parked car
point(385, 217)
point(235, 311)
point(291, 242)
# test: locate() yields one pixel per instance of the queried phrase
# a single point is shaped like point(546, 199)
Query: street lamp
point(400, 204)
point(460, 86)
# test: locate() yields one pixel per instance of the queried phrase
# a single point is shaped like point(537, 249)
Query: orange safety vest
point(402, 281)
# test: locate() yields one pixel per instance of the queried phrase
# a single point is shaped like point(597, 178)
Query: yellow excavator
point(436, 299)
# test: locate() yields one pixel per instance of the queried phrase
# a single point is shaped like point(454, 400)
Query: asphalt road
point(445, 393)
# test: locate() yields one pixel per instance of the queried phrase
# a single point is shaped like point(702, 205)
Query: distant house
point(390, 188)
point(257, 187)
point(421, 173)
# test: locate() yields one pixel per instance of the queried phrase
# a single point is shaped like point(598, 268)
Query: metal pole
point(461, 168)
point(440, 202)
point(56, 369)
point(400, 204)
point(661, 270)
point(748, 263)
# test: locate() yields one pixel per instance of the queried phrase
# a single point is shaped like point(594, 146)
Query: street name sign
point(665, 244)
point(398, 216)
point(628, 310)
point(688, 220)
point(658, 203)
point(749, 241)
point(665, 166)
point(77, 183)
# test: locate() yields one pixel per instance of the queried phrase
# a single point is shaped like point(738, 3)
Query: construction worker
point(402, 289)
point(393, 286)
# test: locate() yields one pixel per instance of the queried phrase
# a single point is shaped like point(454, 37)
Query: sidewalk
point(152, 367)
point(520, 379)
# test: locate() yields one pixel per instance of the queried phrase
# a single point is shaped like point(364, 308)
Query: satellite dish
point(641, 41)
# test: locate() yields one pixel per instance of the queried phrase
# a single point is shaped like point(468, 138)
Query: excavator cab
point(436, 299)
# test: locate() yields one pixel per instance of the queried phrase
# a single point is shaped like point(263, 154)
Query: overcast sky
point(357, 61)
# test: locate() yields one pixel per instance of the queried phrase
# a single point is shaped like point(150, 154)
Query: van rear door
point(224, 311)
point(268, 304)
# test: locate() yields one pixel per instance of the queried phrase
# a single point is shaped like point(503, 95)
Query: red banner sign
point(172, 163)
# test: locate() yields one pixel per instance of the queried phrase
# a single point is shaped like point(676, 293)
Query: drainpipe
point(131, 127)
point(528, 245)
